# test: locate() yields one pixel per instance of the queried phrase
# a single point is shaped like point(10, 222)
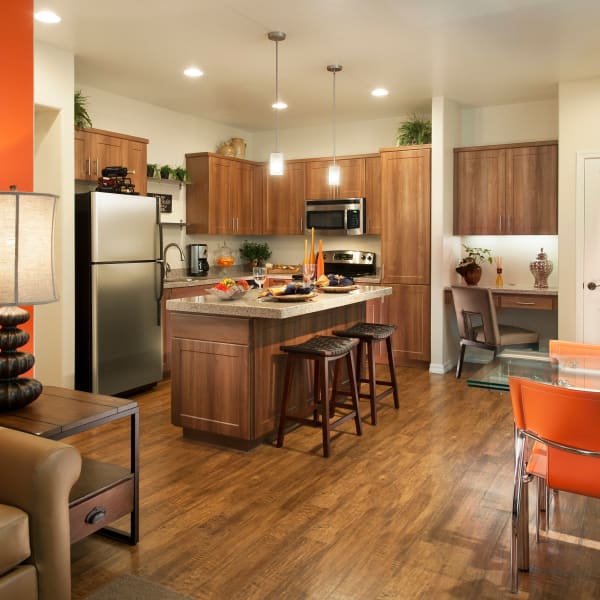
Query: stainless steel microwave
point(344, 216)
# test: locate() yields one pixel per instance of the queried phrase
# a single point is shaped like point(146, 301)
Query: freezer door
point(123, 227)
point(126, 339)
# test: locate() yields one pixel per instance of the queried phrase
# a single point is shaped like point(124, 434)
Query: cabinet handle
point(301, 222)
point(237, 224)
point(500, 219)
point(96, 170)
point(88, 166)
point(525, 303)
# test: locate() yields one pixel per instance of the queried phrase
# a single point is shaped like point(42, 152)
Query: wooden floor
point(418, 507)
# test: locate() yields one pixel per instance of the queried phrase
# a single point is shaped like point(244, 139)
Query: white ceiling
point(476, 52)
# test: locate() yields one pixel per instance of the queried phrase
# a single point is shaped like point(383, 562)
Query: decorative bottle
point(541, 268)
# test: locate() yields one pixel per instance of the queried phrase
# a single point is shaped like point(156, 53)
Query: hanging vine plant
point(414, 131)
point(82, 118)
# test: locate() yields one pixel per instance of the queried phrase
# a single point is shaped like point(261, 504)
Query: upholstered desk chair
point(478, 325)
point(563, 423)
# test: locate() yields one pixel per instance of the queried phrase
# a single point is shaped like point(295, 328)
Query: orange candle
point(320, 262)
point(312, 246)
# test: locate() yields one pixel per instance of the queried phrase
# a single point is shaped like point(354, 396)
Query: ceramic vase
point(471, 273)
point(541, 268)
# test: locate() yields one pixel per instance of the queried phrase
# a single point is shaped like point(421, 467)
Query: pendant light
point(276, 158)
point(334, 169)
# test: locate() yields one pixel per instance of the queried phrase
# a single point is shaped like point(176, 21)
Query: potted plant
point(165, 172)
point(469, 266)
point(151, 169)
point(181, 174)
point(414, 131)
point(82, 118)
point(256, 253)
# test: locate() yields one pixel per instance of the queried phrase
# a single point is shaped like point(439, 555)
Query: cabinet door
point(532, 190)
point(479, 192)
point(406, 215)
point(283, 209)
point(409, 308)
point(241, 198)
point(219, 213)
point(108, 153)
point(135, 161)
point(373, 193)
point(352, 179)
point(83, 156)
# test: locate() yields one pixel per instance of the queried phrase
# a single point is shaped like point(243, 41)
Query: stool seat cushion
point(322, 345)
point(366, 331)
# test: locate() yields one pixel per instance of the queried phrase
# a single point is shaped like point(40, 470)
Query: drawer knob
point(95, 515)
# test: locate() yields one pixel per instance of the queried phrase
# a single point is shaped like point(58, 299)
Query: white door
point(589, 306)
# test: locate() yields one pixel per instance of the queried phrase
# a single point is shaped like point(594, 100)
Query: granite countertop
point(251, 306)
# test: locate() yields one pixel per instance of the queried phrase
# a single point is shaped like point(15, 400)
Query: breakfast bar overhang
point(227, 366)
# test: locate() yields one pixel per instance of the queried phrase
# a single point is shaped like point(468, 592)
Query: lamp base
point(15, 392)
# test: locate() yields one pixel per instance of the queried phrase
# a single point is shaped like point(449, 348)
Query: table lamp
point(26, 278)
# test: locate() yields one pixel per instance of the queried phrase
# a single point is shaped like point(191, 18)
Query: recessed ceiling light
point(379, 92)
point(193, 72)
point(46, 16)
point(279, 105)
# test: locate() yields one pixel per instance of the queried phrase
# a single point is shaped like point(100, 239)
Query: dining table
point(564, 370)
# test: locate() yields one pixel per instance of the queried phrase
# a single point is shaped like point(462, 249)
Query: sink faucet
point(167, 265)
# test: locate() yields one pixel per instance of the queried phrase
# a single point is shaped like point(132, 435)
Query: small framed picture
point(165, 202)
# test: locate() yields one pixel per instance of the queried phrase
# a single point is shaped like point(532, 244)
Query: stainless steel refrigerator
point(118, 287)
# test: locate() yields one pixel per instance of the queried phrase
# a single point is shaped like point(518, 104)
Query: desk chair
point(478, 325)
point(564, 424)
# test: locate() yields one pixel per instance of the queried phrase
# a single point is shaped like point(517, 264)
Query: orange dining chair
point(561, 429)
point(478, 324)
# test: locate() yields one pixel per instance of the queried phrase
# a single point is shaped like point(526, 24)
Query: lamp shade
point(26, 248)
point(276, 163)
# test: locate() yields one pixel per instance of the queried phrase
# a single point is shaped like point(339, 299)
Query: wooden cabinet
point(171, 294)
point(405, 248)
point(283, 206)
point(506, 190)
point(373, 194)
point(224, 196)
point(96, 149)
point(352, 179)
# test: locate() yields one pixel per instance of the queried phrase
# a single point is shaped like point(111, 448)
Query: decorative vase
point(541, 268)
point(471, 273)
point(239, 147)
point(226, 149)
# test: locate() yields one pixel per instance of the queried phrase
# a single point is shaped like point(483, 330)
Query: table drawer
point(103, 494)
point(527, 301)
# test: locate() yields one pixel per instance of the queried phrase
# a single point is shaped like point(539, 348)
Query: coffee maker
point(198, 257)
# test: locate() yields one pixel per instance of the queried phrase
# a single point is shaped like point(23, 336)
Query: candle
point(312, 246)
point(305, 251)
point(320, 262)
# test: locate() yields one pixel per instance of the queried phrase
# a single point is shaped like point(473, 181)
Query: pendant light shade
point(334, 170)
point(276, 158)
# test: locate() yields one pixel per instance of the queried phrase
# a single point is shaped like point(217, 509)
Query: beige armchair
point(36, 476)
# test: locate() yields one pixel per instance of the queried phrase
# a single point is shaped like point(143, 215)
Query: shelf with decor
point(176, 182)
point(171, 199)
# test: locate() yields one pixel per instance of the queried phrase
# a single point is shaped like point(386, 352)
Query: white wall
point(53, 172)
point(579, 132)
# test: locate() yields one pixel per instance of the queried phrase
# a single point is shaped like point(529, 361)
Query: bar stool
point(323, 350)
point(368, 334)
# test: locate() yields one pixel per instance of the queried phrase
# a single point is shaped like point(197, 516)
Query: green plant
point(165, 172)
point(81, 117)
point(151, 169)
point(414, 131)
point(180, 174)
point(258, 251)
point(475, 256)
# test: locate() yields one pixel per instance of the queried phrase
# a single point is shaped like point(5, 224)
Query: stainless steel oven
point(344, 216)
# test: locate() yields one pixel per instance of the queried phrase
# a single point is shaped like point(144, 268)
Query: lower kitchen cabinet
point(172, 294)
point(409, 308)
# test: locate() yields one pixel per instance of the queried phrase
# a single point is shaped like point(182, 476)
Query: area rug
point(129, 587)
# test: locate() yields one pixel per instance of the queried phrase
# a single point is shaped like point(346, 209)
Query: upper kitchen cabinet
point(284, 195)
point(224, 196)
point(96, 149)
point(406, 214)
point(352, 179)
point(506, 190)
point(373, 194)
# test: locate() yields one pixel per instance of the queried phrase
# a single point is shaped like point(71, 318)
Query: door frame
point(580, 238)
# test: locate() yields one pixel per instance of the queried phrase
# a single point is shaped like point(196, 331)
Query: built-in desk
point(522, 298)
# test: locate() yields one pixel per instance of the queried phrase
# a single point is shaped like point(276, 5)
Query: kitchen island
point(226, 364)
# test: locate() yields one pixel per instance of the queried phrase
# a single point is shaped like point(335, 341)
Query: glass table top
point(573, 372)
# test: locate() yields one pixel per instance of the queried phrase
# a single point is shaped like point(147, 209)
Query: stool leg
point(316, 392)
point(287, 387)
point(359, 361)
point(324, 379)
point(371, 364)
point(392, 366)
point(354, 390)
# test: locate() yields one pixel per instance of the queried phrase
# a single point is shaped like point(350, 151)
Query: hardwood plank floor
point(418, 507)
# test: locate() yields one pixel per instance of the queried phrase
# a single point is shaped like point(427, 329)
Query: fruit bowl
point(232, 293)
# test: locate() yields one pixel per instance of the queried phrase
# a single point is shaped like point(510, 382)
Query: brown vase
point(471, 273)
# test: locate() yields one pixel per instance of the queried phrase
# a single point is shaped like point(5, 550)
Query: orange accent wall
point(17, 106)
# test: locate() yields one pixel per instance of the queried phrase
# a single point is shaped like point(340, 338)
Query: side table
point(104, 492)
